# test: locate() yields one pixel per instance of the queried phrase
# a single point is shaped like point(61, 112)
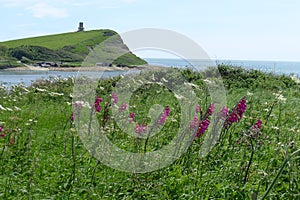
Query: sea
point(9, 78)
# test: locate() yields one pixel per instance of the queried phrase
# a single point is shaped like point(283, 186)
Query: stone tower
point(80, 28)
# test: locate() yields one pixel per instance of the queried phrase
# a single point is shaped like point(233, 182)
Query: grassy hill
point(69, 48)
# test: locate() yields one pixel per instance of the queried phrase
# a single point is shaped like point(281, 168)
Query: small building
point(80, 28)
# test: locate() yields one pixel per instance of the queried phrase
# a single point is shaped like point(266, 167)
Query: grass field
point(70, 47)
point(58, 41)
point(43, 157)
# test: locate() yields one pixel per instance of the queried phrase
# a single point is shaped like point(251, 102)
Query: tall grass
point(42, 157)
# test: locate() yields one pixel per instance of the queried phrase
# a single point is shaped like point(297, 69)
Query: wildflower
point(2, 108)
point(257, 124)
point(1, 128)
point(2, 135)
point(97, 104)
point(131, 117)
point(241, 107)
point(198, 108)
point(233, 117)
point(123, 106)
point(164, 116)
point(115, 98)
point(249, 93)
point(72, 117)
point(167, 111)
point(195, 122)
point(81, 104)
point(224, 112)
point(237, 113)
point(203, 127)
point(211, 109)
point(140, 128)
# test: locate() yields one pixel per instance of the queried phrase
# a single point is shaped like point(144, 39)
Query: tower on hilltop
point(80, 28)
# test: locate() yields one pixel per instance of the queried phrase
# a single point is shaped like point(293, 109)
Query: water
point(9, 78)
point(277, 67)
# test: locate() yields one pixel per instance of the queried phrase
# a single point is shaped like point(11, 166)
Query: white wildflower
point(41, 90)
point(178, 96)
point(2, 108)
point(82, 104)
point(53, 94)
point(275, 127)
point(9, 109)
point(249, 93)
point(191, 84)
point(164, 80)
point(295, 79)
point(17, 108)
point(153, 78)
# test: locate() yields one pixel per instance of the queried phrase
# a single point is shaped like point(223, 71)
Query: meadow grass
point(42, 156)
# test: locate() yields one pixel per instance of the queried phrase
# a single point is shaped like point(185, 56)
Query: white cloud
point(43, 10)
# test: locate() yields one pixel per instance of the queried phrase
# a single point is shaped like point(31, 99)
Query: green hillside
point(69, 48)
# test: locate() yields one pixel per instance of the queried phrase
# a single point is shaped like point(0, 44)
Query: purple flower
point(195, 122)
point(211, 109)
point(72, 117)
point(202, 128)
point(98, 100)
point(167, 111)
point(97, 104)
point(224, 112)
point(237, 113)
point(140, 128)
point(1, 128)
point(257, 124)
point(198, 108)
point(115, 98)
point(2, 135)
point(164, 116)
point(123, 106)
point(131, 117)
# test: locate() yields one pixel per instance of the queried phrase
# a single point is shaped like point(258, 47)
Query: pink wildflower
point(241, 107)
point(97, 104)
point(211, 109)
point(203, 127)
point(167, 111)
point(131, 117)
point(257, 124)
point(115, 98)
point(198, 108)
point(224, 112)
point(2, 135)
point(98, 100)
point(123, 106)
point(72, 117)
point(164, 116)
point(1, 128)
point(140, 128)
point(195, 122)
point(237, 113)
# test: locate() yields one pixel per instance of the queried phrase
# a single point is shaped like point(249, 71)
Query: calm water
point(276, 67)
point(9, 78)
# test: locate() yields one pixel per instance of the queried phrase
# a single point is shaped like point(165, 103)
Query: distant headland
point(67, 50)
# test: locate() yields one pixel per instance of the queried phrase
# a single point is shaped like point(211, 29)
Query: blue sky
point(231, 29)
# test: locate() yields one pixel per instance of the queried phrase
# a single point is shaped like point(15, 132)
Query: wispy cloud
point(43, 10)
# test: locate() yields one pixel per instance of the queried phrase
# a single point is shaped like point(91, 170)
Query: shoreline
point(75, 69)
